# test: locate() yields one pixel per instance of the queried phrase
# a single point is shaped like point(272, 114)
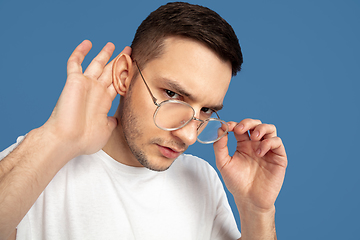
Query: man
point(84, 175)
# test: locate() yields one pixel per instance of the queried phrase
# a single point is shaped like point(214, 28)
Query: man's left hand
point(255, 173)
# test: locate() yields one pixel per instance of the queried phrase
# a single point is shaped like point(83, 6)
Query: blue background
point(301, 73)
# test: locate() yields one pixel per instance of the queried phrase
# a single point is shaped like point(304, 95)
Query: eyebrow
point(180, 90)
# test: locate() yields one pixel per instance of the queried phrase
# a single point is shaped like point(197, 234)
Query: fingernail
point(241, 126)
point(256, 134)
point(258, 152)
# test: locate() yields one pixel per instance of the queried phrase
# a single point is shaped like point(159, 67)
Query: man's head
point(186, 20)
point(185, 52)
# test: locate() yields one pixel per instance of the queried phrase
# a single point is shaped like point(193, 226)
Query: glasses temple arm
point(217, 114)
point(152, 96)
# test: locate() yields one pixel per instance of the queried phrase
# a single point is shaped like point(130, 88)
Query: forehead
point(194, 67)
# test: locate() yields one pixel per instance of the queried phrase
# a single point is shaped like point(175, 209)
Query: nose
point(188, 133)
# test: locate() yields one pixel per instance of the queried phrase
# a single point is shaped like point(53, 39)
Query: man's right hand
point(80, 118)
point(78, 125)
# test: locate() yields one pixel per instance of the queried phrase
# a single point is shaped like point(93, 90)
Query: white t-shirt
point(96, 197)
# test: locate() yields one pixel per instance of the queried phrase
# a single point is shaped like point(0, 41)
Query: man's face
point(187, 71)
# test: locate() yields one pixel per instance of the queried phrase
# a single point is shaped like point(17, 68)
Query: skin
point(79, 125)
point(181, 57)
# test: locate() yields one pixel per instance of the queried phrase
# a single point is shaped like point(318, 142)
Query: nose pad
point(198, 121)
point(188, 133)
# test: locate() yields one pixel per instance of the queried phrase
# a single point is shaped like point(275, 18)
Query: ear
point(121, 73)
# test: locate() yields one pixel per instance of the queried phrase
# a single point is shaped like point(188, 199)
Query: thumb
point(221, 152)
point(112, 123)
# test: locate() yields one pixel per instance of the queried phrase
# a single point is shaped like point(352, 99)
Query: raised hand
point(255, 173)
point(78, 125)
point(80, 117)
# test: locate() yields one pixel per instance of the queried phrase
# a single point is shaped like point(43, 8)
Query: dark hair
point(190, 21)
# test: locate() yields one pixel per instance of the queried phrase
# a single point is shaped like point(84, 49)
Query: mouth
point(169, 152)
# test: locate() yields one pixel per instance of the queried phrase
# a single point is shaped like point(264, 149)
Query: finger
point(242, 129)
point(263, 131)
point(275, 145)
point(247, 125)
point(237, 128)
point(127, 50)
point(77, 57)
point(112, 92)
point(106, 76)
point(97, 65)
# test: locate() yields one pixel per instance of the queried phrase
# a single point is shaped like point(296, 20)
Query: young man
point(84, 175)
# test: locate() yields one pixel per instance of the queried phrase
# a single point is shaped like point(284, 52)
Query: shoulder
point(83, 167)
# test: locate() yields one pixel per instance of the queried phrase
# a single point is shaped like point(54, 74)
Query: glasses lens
point(212, 130)
point(172, 115)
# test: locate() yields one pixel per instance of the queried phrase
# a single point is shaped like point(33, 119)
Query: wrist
point(247, 207)
point(256, 223)
point(51, 144)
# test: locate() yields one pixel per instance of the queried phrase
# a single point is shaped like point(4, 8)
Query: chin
point(161, 166)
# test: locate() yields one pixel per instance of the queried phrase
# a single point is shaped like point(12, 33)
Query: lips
point(168, 152)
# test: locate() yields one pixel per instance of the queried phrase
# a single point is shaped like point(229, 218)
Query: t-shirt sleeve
point(8, 150)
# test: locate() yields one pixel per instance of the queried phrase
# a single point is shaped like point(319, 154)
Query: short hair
point(190, 21)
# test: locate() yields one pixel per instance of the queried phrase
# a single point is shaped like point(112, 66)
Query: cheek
point(141, 110)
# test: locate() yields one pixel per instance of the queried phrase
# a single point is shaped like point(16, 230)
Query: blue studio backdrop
point(300, 72)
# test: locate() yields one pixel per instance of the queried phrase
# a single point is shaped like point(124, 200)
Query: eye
point(172, 94)
point(206, 112)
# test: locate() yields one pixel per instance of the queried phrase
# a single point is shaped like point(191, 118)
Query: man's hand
point(255, 173)
point(80, 116)
point(78, 125)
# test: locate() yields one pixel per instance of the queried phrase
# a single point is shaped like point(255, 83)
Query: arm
point(254, 175)
point(78, 125)
point(24, 174)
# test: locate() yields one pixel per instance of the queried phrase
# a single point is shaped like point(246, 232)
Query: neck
point(117, 147)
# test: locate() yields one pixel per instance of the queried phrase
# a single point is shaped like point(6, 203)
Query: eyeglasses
point(171, 115)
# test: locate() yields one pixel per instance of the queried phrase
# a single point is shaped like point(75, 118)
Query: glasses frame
point(202, 122)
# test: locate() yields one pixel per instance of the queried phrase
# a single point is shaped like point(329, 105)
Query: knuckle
point(262, 128)
point(70, 60)
point(74, 57)
point(273, 127)
point(269, 128)
point(98, 61)
point(252, 122)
